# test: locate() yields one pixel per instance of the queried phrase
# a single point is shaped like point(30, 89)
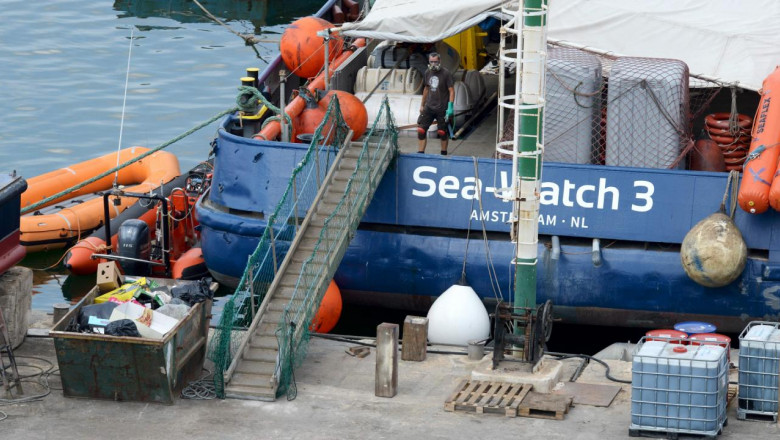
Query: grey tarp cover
point(420, 21)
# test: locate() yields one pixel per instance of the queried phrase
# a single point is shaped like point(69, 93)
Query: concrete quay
point(335, 400)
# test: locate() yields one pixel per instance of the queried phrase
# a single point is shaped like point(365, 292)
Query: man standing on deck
point(438, 96)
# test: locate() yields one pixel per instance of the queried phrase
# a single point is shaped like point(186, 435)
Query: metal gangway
point(282, 305)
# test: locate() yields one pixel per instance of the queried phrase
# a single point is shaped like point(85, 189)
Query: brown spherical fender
point(713, 252)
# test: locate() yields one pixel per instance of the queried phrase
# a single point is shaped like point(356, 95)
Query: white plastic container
point(573, 108)
point(397, 80)
point(678, 389)
point(406, 107)
point(474, 83)
point(385, 56)
point(647, 112)
point(759, 362)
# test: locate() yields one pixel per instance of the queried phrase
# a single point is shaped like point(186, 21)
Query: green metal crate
point(125, 368)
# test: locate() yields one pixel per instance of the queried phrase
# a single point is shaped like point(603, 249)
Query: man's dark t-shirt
point(439, 84)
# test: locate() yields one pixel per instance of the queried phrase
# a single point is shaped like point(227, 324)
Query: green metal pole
point(529, 142)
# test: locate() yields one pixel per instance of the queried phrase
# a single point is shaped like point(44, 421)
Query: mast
point(528, 24)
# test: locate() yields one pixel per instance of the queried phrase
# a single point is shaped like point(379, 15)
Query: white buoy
point(457, 317)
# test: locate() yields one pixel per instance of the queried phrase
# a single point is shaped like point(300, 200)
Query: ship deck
point(478, 142)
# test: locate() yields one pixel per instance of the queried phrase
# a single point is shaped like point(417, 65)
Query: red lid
point(680, 349)
point(710, 337)
point(667, 333)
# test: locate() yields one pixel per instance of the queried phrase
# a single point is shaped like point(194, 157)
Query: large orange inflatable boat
point(64, 221)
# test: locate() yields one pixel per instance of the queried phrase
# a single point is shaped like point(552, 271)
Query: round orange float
point(303, 50)
point(329, 312)
point(352, 109)
point(309, 119)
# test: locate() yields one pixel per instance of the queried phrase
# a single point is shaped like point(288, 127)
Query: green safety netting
point(379, 145)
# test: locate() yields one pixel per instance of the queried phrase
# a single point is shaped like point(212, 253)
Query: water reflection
point(259, 13)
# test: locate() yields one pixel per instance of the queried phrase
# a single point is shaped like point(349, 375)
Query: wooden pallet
point(509, 399)
point(731, 394)
point(545, 406)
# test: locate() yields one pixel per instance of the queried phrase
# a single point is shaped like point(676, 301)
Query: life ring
point(53, 227)
point(721, 120)
point(738, 153)
point(727, 132)
point(729, 139)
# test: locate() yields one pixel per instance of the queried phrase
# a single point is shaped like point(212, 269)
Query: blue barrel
point(693, 327)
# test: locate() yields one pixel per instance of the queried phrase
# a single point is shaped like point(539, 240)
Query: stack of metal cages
point(647, 112)
point(678, 388)
point(759, 365)
point(572, 111)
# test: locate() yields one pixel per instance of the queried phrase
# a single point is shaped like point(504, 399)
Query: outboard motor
point(134, 241)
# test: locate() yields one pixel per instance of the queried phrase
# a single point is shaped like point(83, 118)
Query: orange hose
point(296, 106)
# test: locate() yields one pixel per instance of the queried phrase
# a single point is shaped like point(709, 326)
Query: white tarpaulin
point(420, 21)
point(735, 41)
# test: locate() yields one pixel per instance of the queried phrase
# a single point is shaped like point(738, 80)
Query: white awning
point(420, 21)
point(735, 41)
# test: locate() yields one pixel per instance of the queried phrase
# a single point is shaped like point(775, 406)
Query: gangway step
point(250, 393)
point(261, 354)
point(253, 373)
point(263, 341)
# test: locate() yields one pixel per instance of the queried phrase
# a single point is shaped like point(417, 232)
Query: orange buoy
point(352, 109)
point(761, 163)
point(303, 50)
point(308, 121)
point(329, 312)
point(296, 106)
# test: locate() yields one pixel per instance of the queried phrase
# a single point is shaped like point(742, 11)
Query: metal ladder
point(10, 378)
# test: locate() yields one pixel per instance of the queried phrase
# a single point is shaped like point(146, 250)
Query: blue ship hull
point(412, 241)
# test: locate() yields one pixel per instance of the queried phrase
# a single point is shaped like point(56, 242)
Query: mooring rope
point(37, 205)
point(124, 104)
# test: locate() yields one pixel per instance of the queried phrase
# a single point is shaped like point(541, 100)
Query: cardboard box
point(109, 277)
point(150, 323)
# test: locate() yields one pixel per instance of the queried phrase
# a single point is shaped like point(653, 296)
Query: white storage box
point(150, 324)
point(388, 80)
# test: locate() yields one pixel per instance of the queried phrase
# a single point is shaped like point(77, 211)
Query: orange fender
point(56, 230)
point(190, 265)
point(78, 260)
point(329, 312)
point(761, 162)
point(296, 106)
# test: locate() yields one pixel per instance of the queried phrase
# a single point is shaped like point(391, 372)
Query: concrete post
point(16, 302)
point(60, 310)
point(386, 381)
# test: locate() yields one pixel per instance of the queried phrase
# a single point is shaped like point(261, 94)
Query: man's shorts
point(427, 117)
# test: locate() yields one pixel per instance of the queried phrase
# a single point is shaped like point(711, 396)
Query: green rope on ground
point(37, 205)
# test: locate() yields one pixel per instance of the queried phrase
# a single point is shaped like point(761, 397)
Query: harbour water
point(63, 81)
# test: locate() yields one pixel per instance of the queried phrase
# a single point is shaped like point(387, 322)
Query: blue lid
point(692, 327)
